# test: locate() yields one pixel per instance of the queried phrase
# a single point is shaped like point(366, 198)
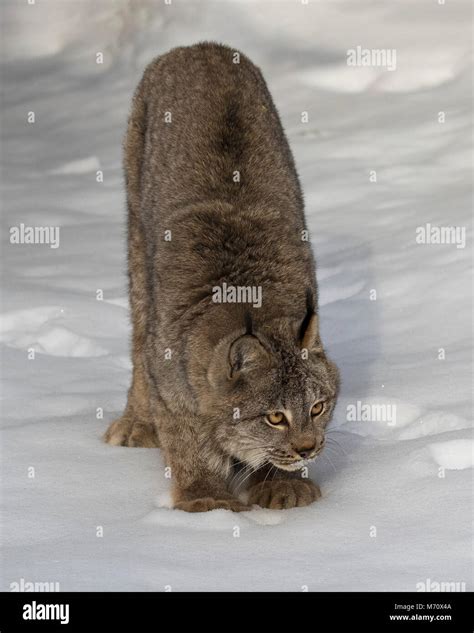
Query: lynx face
point(284, 412)
point(276, 402)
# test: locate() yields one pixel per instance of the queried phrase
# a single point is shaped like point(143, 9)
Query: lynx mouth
point(296, 464)
point(290, 466)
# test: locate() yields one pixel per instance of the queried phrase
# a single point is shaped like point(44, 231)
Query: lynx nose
point(306, 450)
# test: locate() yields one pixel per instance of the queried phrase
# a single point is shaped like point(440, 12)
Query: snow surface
point(388, 518)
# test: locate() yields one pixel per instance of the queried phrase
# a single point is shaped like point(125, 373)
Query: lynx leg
point(136, 427)
point(196, 486)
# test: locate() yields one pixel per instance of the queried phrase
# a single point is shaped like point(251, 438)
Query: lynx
point(236, 394)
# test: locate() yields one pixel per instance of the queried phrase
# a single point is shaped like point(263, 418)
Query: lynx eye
point(276, 418)
point(317, 409)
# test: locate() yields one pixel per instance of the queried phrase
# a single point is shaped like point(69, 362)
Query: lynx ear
point(308, 335)
point(235, 356)
point(246, 354)
point(309, 332)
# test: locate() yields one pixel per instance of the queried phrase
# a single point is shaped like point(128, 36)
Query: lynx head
point(274, 391)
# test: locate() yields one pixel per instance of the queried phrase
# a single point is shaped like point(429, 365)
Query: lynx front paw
point(205, 504)
point(284, 493)
point(128, 432)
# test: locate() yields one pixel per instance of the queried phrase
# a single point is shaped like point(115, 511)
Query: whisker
point(272, 466)
point(240, 472)
point(331, 439)
point(275, 473)
point(241, 483)
point(327, 457)
point(248, 469)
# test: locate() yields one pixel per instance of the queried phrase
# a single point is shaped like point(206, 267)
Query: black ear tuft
point(309, 329)
point(310, 310)
point(248, 323)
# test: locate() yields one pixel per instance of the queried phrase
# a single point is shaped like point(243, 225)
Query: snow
point(396, 492)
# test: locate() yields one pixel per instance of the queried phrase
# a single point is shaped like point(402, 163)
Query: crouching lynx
point(230, 377)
